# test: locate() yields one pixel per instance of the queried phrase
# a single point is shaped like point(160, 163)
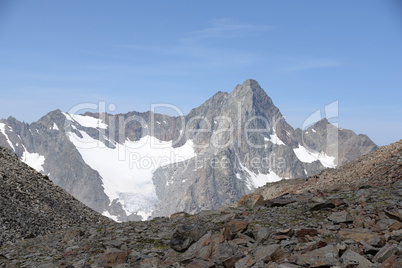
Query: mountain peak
point(250, 85)
point(249, 88)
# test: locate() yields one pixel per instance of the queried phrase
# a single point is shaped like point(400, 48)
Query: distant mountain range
point(135, 166)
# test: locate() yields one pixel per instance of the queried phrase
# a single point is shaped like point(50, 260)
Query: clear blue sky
point(305, 54)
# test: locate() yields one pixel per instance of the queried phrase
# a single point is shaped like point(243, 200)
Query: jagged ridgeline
point(135, 166)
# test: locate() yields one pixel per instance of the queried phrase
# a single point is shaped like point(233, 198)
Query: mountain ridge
point(126, 160)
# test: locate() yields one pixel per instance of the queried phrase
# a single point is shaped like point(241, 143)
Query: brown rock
point(67, 253)
point(214, 239)
point(211, 247)
point(396, 226)
point(281, 237)
point(247, 261)
point(337, 202)
point(358, 235)
point(232, 228)
point(326, 256)
point(230, 262)
point(304, 232)
point(311, 247)
point(394, 215)
point(384, 224)
point(280, 202)
point(376, 228)
point(390, 262)
point(280, 255)
point(321, 244)
point(251, 200)
point(368, 223)
point(358, 221)
point(385, 252)
point(242, 239)
point(114, 256)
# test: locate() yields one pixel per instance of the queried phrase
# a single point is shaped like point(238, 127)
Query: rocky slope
point(356, 226)
point(378, 168)
point(32, 205)
point(135, 165)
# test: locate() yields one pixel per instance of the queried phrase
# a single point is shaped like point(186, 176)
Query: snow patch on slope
point(306, 156)
point(34, 160)
point(107, 214)
point(274, 139)
point(144, 215)
point(86, 121)
point(254, 180)
point(127, 169)
point(3, 130)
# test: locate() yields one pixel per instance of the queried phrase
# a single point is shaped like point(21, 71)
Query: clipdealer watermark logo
point(205, 133)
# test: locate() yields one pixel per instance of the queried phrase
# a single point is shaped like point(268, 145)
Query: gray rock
point(385, 252)
point(265, 253)
point(185, 235)
point(340, 217)
point(352, 258)
point(326, 256)
point(288, 265)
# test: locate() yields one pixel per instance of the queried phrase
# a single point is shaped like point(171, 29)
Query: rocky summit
point(359, 225)
point(136, 166)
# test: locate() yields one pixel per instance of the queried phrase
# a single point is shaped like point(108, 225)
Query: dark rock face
point(240, 141)
point(32, 205)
